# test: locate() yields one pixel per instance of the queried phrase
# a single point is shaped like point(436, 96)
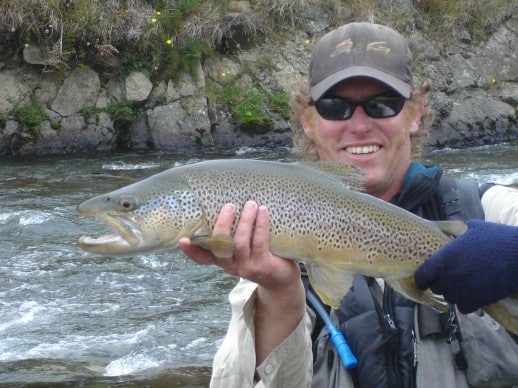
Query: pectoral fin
point(408, 288)
point(330, 284)
point(221, 246)
point(451, 228)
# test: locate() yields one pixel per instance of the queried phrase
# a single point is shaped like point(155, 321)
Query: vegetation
point(121, 114)
point(279, 103)
point(250, 108)
point(171, 35)
point(167, 38)
point(90, 111)
point(30, 116)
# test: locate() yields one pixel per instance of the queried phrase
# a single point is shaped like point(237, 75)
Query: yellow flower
point(169, 41)
point(153, 20)
point(493, 80)
point(157, 12)
point(308, 41)
point(223, 74)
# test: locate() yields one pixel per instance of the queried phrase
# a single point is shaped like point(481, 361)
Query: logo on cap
point(348, 45)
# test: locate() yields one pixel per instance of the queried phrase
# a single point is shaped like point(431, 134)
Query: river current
point(70, 318)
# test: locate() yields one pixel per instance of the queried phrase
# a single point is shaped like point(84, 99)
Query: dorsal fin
point(346, 173)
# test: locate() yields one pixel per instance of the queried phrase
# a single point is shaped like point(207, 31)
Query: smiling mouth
point(361, 150)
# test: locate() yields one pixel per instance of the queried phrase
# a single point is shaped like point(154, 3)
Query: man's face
point(381, 147)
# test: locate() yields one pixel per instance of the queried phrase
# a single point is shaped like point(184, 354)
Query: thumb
point(428, 272)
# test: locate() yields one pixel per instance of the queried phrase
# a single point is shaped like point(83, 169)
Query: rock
point(96, 135)
point(198, 120)
point(99, 135)
point(186, 86)
point(137, 87)
point(166, 131)
point(488, 62)
point(78, 91)
point(46, 91)
point(48, 140)
point(138, 136)
point(115, 88)
point(508, 92)
point(35, 55)
point(475, 119)
point(171, 93)
point(12, 92)
point(421, 48)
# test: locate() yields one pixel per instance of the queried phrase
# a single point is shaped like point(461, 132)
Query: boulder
point(137, 87)
point(79, 90)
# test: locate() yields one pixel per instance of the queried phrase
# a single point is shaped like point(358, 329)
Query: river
point(70, 318)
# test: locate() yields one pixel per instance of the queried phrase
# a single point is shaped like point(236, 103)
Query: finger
point(245, 228)
point(262, 231)
point(427, 273)
point(225, 220)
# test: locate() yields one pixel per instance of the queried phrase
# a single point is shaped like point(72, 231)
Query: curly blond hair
point(302, 107)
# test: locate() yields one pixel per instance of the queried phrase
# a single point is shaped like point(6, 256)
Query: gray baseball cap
point(361, 50)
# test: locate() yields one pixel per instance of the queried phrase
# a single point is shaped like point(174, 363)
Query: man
point(361, 109)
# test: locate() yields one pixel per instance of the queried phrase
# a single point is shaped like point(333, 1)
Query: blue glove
point(476, 268)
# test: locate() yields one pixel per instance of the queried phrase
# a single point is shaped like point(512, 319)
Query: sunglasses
point(377, 107)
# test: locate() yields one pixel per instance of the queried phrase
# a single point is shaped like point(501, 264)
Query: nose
point(359, 122)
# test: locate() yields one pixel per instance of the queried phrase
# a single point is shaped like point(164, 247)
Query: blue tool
point(345, 353)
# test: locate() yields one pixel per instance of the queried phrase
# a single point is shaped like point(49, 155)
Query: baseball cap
point(361, 50)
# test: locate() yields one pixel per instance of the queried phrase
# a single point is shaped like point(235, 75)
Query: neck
point(388, 189)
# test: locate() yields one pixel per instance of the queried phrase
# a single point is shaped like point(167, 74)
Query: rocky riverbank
point(474, 93)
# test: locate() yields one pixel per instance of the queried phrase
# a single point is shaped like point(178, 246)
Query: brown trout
point(318, 215)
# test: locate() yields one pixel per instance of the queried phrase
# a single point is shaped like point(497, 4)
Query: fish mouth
point(124, 238)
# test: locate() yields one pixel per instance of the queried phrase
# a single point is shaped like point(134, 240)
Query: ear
point(418, 114)
point(305, 119)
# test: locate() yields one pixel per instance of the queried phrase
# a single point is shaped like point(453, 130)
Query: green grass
point(170, 35)
point(121, 114)
point(30, 116)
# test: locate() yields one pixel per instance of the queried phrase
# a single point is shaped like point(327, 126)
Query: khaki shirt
point(290, 364)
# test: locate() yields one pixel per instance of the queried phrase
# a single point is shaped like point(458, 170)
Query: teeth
point(363, 149)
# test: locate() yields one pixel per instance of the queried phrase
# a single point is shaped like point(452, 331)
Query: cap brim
point(318, 90)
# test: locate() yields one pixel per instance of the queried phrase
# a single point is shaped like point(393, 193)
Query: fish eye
point(127, 203)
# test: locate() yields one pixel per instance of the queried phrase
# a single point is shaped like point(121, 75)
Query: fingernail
point(250, 205)
point(229, 208)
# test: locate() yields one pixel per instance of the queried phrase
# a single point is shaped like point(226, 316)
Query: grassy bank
point(168, 37)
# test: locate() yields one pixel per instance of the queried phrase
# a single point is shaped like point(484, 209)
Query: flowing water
point(69, 318)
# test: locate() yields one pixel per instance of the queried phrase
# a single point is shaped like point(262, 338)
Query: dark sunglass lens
point(333, 108)
point(381, 107)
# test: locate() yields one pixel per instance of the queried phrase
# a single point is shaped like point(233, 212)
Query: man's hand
point(281, 298)
point(476, 268)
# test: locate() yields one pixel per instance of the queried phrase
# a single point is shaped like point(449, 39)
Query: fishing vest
point(379, 323)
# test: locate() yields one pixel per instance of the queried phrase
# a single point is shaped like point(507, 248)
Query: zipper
point(454, 340)
point(414, 345)
point(392, 344)
point(413, 369)
point(384, 305)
